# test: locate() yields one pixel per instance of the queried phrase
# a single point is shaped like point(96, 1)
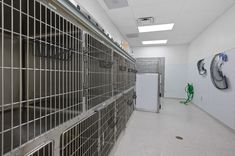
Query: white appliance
point(147, 92)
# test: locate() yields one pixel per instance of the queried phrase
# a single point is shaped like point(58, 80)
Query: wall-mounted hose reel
point(201, 67)
point(218, 79)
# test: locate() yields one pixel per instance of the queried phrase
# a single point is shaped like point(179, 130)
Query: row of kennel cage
point(97, 134)
point(51, 72)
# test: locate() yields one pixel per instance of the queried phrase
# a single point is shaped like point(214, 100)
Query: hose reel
point(218, 78)
point(201, 69)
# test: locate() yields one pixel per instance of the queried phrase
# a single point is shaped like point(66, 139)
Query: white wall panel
point(218, 37)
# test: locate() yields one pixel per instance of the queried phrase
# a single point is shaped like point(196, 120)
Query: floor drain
point(179, 138)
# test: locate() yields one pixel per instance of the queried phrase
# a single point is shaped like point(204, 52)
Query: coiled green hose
point(189, 89)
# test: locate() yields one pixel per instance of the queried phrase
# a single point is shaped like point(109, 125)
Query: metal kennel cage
point(82, 138)
point(40, 71)
point(115, 73)
point(98, 61)
point(131, 75)
point(122, 74)
point(107, 129)
point(130, 102)
point(121, 108)
point(54, 74)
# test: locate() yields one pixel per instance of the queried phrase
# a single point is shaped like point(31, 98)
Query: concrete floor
point(150, 134)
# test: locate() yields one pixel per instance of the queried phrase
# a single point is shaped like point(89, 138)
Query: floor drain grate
point(179, 138)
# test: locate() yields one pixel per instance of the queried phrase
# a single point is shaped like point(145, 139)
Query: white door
point(147, 92)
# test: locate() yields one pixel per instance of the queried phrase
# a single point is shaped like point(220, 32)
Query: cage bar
point(122, 72)
point(130, 103)
point(107, 129)
point(99, 64)
point(121, 115)
point(82, 138)
point(46, 149)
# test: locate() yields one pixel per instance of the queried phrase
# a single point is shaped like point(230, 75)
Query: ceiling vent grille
point(115, 4)
point(135, 35)
point(145, 21)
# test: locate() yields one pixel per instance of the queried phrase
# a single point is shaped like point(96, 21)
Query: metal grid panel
point(40, 71)
point(107, 129)
point(122, 73)
point(121, 108)
point(130, 103)
point(43, 150)
point(147, 65)
point(81, 139)
point(131, 77)
point(115, 73)
point(98, 60)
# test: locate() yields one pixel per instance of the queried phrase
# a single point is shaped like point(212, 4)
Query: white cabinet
point(147, 92)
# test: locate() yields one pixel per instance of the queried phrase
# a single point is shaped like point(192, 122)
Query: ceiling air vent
point(115, 4)
point(135, 35)
point(145, 21)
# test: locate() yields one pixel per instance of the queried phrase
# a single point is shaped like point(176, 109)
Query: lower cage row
point(96, 134)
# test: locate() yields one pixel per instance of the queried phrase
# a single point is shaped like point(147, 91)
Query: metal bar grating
point(130, 103)
point(96, 135)
point(121, 115)
point(99, 64)
point(81, 139)
point(43, 150)
point(121, 77)
point(131, 72)
point(107, 129)
point(115, 73)
point(40, 71)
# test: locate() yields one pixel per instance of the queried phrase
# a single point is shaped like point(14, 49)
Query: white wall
point(98, 13)
point(218, 37)
point(175, 66)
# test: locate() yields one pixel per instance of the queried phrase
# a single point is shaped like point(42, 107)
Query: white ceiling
point(190, 17)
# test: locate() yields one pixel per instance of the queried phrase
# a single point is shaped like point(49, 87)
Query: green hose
point(190, 93)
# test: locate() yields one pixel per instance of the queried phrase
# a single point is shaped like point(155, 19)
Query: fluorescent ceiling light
point(151, 28)
point(154, 42)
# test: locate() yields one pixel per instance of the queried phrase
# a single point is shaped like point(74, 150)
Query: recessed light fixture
point(154, 42)
point(151, 28)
